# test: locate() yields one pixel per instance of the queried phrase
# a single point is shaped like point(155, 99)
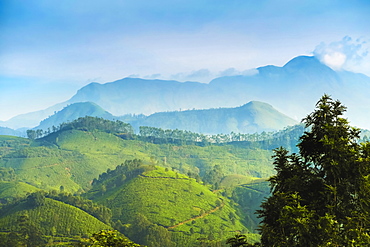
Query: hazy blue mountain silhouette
point(252, 117)
point(72, 112)
point(292, 89)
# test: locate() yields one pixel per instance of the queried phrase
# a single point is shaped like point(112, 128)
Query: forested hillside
point(78, 152)
point(37, 220)
point(159, 187)
point(165, 207)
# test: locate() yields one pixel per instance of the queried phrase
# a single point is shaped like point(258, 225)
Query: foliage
point(249, 196)
point(108, 238)
point(53, 218)
point(99, 211)
point(320, 196)
point(10, 144)
point(86, 124)
point(239, 240)
point(266, 140)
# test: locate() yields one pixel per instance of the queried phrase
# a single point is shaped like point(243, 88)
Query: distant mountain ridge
point(9, 131)
point(249, 118)
point(292, 89)
point(74, 111)
point(252, 117)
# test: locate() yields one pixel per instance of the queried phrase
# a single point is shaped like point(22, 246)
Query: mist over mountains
point(292, 89)
point(250, 118)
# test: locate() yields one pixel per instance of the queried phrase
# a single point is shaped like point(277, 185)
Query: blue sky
point(49, 49)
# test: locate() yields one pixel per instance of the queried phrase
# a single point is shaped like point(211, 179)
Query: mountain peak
point(305, 63)
point(74, 111)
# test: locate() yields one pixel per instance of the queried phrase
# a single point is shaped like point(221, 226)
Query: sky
point(49, 49)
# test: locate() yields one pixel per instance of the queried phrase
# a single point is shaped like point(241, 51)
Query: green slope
point(249, 197)
point(73, 158)
point(54, 218)
point(10, 190)
point(10, 144)
point(177, 203)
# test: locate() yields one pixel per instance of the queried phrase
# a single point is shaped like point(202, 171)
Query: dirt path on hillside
point(194, 218)
point(145, 176)
point(198, 217)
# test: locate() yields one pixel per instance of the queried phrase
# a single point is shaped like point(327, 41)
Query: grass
point(174, 201)
point(15, 189)
point(54, 218)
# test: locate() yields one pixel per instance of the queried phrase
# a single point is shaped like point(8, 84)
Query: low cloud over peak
point(346, 54)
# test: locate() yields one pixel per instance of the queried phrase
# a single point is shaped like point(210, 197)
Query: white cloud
point(334, 59)
point(234, 72)
point(202, 75)
point(345, 54)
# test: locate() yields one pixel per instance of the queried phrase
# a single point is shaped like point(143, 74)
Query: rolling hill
point(154, 199)
point(52, 219)
point(72, 158)
point(181, 210)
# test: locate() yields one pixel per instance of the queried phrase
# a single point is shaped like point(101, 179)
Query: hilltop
point(72, 112)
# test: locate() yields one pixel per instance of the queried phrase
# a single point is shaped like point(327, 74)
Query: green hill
point(181, 209)
point(9, 190)
point(51, 218)
point(73, 158)
point(10, 144)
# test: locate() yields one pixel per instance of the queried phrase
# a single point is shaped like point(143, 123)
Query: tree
point(108, 238)
point(31, 134)
point(320, 197)
point(29, 233)
point(239, 240)
point(36, 199)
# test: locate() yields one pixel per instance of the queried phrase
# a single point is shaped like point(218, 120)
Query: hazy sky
point(49, 49)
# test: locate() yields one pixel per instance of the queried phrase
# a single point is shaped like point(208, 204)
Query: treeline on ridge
point(160, 136)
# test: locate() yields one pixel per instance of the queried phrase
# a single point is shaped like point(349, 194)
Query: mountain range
point(292, 89)
point(249, 118)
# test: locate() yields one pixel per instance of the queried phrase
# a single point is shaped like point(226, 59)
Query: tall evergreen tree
point(320, 197)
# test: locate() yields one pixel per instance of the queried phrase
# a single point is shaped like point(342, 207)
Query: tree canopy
point(109, 238)
point(320, 196)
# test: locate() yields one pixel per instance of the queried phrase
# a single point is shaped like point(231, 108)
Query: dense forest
point(94, 182)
